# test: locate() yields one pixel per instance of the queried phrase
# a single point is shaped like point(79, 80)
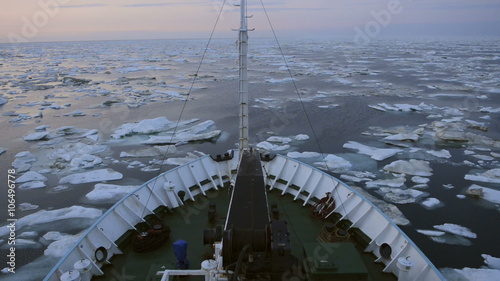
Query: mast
point(243, 87)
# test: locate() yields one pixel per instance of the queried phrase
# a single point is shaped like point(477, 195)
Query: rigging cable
point(302, 104)
point(184, 106)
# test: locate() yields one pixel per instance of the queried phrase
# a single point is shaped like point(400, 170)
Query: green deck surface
point(188, 223)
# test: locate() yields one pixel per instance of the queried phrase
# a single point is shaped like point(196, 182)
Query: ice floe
point(491, 262)
point(411, 167)
point(403, 137)
point(51, 236)
point(420, 180)
point(272, 147)
point(147, 126)
point(279, 139)
point(443, 153)
point(3, 100)
point(60, 247)
point(295, 154)
point(149, 151)
point(489, 109)
point(74, 156)
point(401, 196)
point(357, 176)
point(334, 163)
point(92, 176)
point(431, 203)
point(490, 176)
point(109, 192)
point(477, 125)
point(431, 232)
point(394, 182)
point(301, 137)
point(399, 107)
point(488, 194)
point(32, 185)
point(198, 132)
point(30, 176)
point(86, 161)
point(35, 136)
point(23, 161)
point(378, 154)
point(456, 229)
point(28, 235)
point(451, 135)
point(279, 81)
point(183, 137)
point(329, 106)
point(27, 207)
point(491, 271)
point(50, 216)
point(177, 161)
point(471, 274)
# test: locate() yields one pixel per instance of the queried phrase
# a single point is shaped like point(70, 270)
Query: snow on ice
point(395, 182)
point(272, 147)
point(431, 203)
point(23, 161)
point(109, 192)
point(61, 246)
point(147, 126)
point(333, 162)
point(295, 154)
point(279, 139)
point(487, 194)
point(401, 196)
point(443, 153)
point(411, 167)
point(403, 137)
point(35, 136)
point(30, 176)
point(378, 154)
point(456, 229)
point(183, 137)
point(197, 132)
point(490, 176)
point(92, 176)
point(32, 185)
point(27, 207)
point(45, 216)
point(177, 161)
point(301, 137)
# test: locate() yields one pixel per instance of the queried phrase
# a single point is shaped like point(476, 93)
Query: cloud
point(457, 6)
point(85, 6)
point(147, 5)
point(159, 4)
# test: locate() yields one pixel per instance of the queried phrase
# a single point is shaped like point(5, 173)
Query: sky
point(359, 20)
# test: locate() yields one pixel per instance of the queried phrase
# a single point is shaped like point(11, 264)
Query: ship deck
point(189, 222)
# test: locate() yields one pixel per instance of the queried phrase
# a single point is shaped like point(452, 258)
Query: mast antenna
point(243, 77)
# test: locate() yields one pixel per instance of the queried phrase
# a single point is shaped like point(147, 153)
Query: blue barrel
point(180, 251)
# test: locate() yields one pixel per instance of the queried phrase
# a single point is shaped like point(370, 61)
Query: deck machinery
point(256, 243)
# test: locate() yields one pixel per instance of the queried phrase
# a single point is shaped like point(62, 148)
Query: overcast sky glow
point(62, 20)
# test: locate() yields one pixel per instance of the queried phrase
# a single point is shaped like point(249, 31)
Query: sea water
point(412, 122)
